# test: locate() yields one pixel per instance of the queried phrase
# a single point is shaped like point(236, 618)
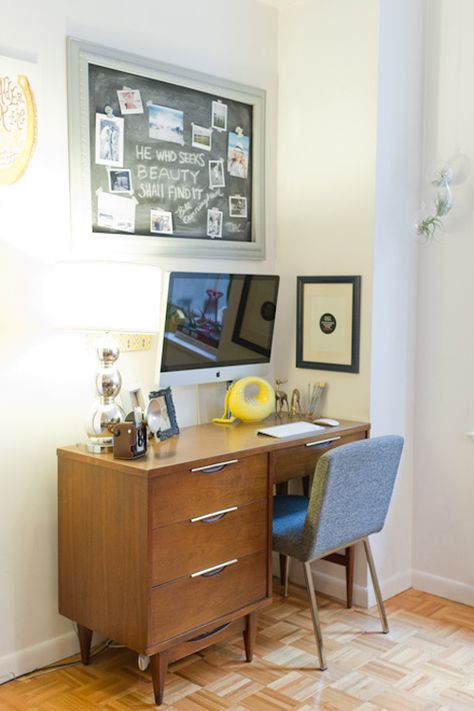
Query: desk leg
point(250, 634)
point(159, 667)
point(85, 639)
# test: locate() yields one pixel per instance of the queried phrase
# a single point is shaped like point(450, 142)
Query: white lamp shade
point(103, 296)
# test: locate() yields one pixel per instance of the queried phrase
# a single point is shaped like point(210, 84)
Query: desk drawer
point(190, 602)
point(301, 460)
point(211, 486)
point(181, 548)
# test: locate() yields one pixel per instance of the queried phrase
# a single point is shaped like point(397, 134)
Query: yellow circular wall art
point(17, 127)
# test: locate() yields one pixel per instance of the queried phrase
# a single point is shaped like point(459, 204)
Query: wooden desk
point(171, 553)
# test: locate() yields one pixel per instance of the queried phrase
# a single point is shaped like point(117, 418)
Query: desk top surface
point(209, 442)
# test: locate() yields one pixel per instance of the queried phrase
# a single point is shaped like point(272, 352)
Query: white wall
point(328, 85)
point(349, 154)
point(328, 69)
point(399, 157)
point(45, 379)
point(444, 483)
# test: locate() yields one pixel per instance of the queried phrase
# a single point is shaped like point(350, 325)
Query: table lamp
point(109, 298)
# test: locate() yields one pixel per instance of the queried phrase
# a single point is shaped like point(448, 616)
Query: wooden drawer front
point(301, 460)
point(190, 602)
point(217, 485)
point(181, 548)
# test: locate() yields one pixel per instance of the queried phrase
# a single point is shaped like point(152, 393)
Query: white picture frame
point(90, 244)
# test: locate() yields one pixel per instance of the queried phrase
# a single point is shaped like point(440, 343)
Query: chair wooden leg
point(282, 490)
point(375, 582)
point(286, 576)
point(349, 574)
point(315, 616)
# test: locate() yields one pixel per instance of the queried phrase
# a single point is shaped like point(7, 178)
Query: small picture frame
point(328, 323)
point(169, 425)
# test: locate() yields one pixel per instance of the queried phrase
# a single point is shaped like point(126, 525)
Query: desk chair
point(349, 500)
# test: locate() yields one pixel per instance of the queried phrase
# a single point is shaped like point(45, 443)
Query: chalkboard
point(176, 160)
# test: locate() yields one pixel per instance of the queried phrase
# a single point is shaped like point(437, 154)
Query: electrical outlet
point(133, 342)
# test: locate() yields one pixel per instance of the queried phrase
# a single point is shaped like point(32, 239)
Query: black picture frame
point(328, 307)
point(165, 399)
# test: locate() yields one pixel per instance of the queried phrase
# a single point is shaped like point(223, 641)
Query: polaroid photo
point(202, 137)
point(115, 212)
point(216, 174)
point(130, 101)
point(108, 140)
point(161, 222)
point(214, 223)
point(238, 155)
point(219, 116)
point(120, 180)
point(237, 206)
point(165, 124)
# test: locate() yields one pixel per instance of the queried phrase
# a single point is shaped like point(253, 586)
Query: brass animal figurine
point(295, 407)
point(281, 397)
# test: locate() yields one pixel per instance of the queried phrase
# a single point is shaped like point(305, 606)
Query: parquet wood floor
point(426, 662)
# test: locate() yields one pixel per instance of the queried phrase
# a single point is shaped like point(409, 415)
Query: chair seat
point(289, 513)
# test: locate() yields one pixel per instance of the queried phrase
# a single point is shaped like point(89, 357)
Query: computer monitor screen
point(216, 327)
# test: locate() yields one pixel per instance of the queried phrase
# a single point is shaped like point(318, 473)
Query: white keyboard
point(290, 430)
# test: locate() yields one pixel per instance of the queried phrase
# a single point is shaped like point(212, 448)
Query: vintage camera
point(129, 440)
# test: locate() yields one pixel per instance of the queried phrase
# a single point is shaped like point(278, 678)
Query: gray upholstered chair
point(349, 500)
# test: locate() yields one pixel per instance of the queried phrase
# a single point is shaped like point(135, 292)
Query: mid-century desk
point(171, 553)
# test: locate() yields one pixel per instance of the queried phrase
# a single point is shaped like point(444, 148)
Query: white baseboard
point(335, 586)
point(38, 655)
point(391, 586)
point(444, 587)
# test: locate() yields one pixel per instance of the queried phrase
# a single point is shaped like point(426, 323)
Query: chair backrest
point(351, 493)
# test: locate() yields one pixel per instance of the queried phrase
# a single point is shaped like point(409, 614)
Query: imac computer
point(215, 327)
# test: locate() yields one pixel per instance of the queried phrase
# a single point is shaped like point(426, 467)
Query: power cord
point(41, 671)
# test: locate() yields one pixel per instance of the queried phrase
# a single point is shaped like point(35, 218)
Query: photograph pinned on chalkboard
point(120, 180)
point(214, 223)
point(219, 116)
point(202, 137)
point(165, 124)
point(238, 154)
point(108, 140)
point(115, 212)
point(130, 101)
point(161, 222)
point(237, 206)
point(216, 174)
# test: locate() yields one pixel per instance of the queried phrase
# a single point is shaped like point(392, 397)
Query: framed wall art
point(328, 323)
point(164, 160)
point(18, 119)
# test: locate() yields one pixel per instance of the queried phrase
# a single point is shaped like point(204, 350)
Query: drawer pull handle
point(206, 635)
point(215, 570)
point(214, 516)
point(212, 468)
point(320, 442)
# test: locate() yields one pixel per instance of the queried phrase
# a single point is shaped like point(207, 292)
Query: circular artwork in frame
point(18, 126)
